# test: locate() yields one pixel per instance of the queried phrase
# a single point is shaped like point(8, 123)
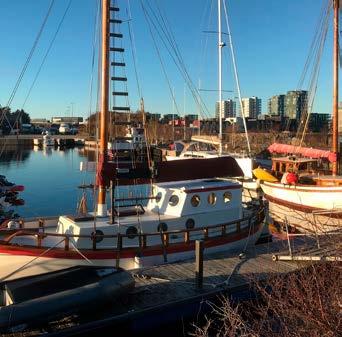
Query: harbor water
point(52, 177)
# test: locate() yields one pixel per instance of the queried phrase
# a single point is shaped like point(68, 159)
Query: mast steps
point(115, 78)
point(114, 9)
point(120, 93)
point(116, 35)
point(123, 123)
point(120, 50)
point(115, 21)
point(118, 64)
point(121, 108)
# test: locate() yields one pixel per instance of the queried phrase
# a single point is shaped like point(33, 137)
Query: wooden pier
point(168, 293)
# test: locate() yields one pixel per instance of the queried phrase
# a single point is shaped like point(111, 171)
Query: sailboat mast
point(220, 45)
point(335, 142)
point(101, 205)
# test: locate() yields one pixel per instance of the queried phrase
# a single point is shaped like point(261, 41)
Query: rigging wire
point(134, 52)
point(47, 52)
point(316, 55)
point(27, 62)
point(314, 78)
point(148, 20)
point(175, 56)
point(236, 75)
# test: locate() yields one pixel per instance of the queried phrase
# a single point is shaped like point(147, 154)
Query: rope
point(22, 73)
point(34, 259)
point(236, 76)
point(47, 52)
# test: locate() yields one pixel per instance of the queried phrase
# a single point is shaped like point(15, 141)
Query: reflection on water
point(13, 155)
point(51, 176)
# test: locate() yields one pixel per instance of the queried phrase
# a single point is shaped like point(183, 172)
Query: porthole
point(158, 197)
point(162, 227)
point(97, 234)
point(190, 224)
point(131, 232)
point(212, 198)
point(173, 201)
point(195, 200)
point(227, 197)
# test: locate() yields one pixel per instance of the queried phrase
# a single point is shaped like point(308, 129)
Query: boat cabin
point(174, 206)
point(294, 164)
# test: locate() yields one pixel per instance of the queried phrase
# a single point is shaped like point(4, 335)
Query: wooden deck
point(167, 290)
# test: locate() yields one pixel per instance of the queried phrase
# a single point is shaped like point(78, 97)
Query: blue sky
point(271, 39)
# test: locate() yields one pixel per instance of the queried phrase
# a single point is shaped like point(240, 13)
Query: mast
point(335, 140)
point(101, 204)
point(220, 45)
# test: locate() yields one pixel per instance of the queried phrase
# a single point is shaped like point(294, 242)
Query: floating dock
point(168, 294)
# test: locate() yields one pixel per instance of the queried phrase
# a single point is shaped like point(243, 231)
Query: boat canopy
point(303, 151)
point(176, 170)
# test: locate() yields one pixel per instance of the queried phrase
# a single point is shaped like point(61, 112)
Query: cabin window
point(227, 197)
point(173, 201)
point(97, 235)
point(158, 197)
point(131, 232)
point(162, 227)
point(212, 198)
point(190, 224)
point(195, 200)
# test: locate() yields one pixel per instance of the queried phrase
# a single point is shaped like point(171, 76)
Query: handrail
point(141, 236)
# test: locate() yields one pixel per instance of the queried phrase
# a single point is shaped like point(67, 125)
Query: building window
point(212, 198)
point(227, 197)
point(173, 201)
point(195, 200)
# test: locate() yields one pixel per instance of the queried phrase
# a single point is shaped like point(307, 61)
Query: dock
point(167, 293)
point(11, 141)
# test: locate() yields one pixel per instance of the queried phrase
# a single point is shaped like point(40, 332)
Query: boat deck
point(171, 287)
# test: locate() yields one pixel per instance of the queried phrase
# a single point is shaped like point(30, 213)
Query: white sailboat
point(314, 206)
point(195, 149)
point(132, 236)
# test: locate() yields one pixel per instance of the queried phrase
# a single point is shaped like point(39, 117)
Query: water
point(51, 178)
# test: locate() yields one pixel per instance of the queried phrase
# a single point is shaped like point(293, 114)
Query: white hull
point(14, 266)
point(315, 209)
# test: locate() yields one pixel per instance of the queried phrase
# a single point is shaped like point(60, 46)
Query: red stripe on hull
point(304, 208)
point(126, 252)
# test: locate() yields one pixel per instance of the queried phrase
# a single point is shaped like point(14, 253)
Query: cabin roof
point(294, 160)
point(201, 185)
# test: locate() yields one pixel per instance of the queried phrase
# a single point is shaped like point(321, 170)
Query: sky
point(271, 40)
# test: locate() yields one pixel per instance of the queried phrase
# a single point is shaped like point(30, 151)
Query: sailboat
point(197, 150)
point(201, 206)
point(314, 203)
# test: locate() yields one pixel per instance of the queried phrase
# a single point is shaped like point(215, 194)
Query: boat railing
point(204, 232)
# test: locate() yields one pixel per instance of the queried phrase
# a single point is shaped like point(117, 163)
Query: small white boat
point(47, 140)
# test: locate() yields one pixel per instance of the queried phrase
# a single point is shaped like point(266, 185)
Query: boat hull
point(19, 261)
point(311, 209)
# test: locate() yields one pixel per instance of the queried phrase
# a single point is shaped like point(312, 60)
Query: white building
point(251, 107)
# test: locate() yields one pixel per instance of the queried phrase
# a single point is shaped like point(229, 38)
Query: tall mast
point(101, 204)
point(335, 142)
point(220, 45)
